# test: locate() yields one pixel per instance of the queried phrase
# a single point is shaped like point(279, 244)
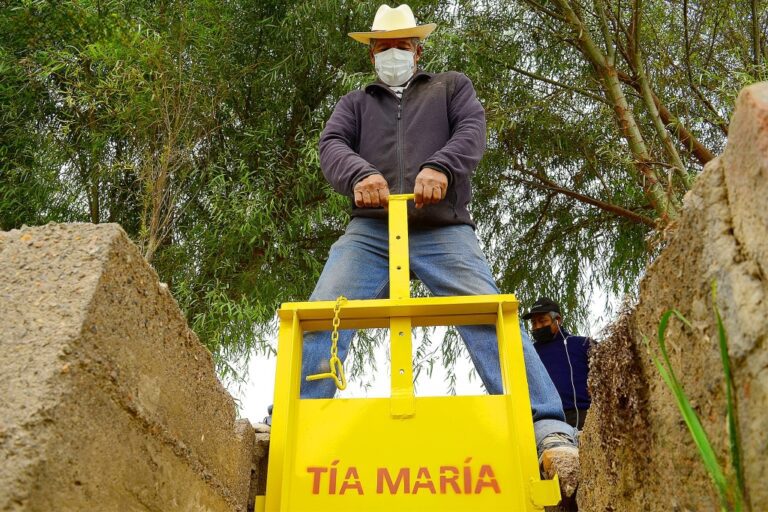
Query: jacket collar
point(420, 75)
point(562, 333)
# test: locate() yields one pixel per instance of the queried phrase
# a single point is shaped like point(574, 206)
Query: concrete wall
point(636, 451)
point(107, 399)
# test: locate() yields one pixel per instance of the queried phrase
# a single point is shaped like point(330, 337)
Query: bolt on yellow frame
point(460, 453)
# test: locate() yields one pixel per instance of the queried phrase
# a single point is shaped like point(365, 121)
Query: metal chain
point(334, 363)
point(336, 323)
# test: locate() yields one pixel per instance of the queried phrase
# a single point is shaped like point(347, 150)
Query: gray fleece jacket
point(439, 123)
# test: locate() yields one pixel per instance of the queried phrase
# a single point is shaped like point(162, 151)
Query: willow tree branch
point(610, 47)
point(542, 78)
point(719, 121)
point(674, 125)
point(650, 104)
point(756, 37)
point(549, 12)
point(545, 183)
point(647, 177)
point(540, 220)
point(621, 28)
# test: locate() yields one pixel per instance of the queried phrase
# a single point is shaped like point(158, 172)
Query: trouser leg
point(357, 268)
point(448, 260)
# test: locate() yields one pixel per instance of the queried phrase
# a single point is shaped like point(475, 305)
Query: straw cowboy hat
point(394, 23)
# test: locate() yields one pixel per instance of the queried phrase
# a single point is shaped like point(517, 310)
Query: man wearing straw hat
point(422, 133)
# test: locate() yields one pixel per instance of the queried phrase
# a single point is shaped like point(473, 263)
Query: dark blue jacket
point(439, 123)
point(553, 355)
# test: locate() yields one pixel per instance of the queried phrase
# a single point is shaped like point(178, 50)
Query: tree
point(600, 116)
point(195, 125)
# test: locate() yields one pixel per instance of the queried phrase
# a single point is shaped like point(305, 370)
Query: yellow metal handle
point(399, 270)
point(403, 398)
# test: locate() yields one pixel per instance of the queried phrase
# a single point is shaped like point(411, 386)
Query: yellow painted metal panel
point(404, 453)
point(453, 454)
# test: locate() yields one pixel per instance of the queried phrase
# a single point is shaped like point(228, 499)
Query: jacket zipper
point(400, 143)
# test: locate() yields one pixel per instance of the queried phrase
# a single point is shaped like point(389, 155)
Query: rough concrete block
point(259, 464)
point(107, 399)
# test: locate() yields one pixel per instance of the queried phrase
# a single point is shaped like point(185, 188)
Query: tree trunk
point(649, 100)
point(757, 44)
point(648, 179)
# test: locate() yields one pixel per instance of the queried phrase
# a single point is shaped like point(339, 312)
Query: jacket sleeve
point(341, 165)
point(463, 151)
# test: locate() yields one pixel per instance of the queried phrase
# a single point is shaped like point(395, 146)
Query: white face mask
point(394, 66)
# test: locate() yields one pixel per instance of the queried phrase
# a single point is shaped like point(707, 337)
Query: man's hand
point(372, 192)
point(430, 188)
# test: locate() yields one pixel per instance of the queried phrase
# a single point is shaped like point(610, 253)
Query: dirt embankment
point(637, 454)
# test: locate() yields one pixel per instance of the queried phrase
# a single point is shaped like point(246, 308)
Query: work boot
point(558, 454)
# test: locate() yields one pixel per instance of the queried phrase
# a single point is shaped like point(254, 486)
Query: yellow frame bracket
point(545, 492)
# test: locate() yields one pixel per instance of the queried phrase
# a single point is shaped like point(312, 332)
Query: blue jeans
point(448, 261)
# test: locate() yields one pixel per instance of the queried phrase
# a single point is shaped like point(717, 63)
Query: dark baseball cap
point(542, 305)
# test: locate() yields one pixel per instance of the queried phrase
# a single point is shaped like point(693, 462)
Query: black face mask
point(543, 334)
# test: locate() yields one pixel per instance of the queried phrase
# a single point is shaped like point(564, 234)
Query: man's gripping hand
point(430, 188)
point(372, 192)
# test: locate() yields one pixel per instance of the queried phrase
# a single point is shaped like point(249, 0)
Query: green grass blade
point(734, 439)
point(690, 417)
